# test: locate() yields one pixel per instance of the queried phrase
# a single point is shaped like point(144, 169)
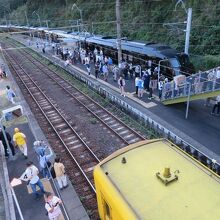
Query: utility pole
point(188, 29)
point(47, 24)
point(118, 21)
point(26, 18)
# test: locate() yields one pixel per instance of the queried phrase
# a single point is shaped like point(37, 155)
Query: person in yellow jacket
point(60, 173)
point(20, 141)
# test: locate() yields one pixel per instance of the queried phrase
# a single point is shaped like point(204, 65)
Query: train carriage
point(156, 180)
point(171, 62)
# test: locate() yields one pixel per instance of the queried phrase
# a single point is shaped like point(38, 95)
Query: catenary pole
point(188, 29)
point(118, 21)
point(25, 12)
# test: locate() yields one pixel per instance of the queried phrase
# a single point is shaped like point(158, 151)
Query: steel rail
point(72, 156)
point(90, 99)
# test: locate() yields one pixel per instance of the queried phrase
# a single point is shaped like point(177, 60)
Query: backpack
point(52, 172)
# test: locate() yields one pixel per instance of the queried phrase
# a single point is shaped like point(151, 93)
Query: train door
point(106, 210)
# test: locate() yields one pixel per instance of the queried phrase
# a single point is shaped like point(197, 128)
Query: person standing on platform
point(52, 206)
point(40, 147)
point(3, 71)
point(97, 64)
point(31, 176)
point(121, 84)
point(59, 169)
point(151, 86)
point(136, 84)
point(44, 161)
point(10, 94)
point(87, 64)
point(216, 105)
point(2, 138)
point(105, 72)
point(160, 88)
point(140, 84)
point(20, 141)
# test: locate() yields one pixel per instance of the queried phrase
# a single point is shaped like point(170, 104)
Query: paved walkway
point(31, 208)
point(201, 129)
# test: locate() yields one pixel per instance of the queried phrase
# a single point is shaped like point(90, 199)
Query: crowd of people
point(32, 173)
point(146, 78)
point(49, 171)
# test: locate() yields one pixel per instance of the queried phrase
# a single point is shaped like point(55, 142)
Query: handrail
point(202, 86)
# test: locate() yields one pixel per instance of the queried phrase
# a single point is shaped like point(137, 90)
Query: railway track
point(114, 124)
point(80, 153)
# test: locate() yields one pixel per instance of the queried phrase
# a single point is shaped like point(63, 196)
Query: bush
point(205, 62)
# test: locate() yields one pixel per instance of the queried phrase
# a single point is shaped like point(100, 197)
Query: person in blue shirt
point(140, 84)
point(44, 162)
point(110, 62)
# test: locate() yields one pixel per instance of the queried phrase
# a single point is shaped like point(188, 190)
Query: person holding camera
point(52, 206)
point(31, 177)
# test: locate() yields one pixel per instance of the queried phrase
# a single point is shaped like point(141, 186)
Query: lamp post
point(16, 20)
point(8, 11)
point(80, 11)
point(3, 132)
point(158, 72)
point(46, 21)
point(118, 27)
point(34, 12)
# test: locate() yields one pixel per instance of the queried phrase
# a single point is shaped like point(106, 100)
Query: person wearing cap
point(52, 205)
point(40, 147)
point(4, 142)
point(20, 140)
point(31, 176)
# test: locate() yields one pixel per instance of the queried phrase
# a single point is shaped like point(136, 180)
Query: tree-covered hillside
point(149, 20)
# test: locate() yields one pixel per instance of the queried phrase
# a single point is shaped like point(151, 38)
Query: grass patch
point(20, 120)
point(93, 121)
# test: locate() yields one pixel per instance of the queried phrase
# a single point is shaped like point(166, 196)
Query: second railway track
point(85, 157)
point(78, 151)
point(114, 124)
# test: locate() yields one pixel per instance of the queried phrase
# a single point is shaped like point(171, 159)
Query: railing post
point(188, 99)
point(172, 92)
point(213, 86)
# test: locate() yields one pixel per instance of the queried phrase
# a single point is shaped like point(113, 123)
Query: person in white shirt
point(216, 105)
point(31, 176)
point(52, 206)
point(160, 88)
point(87, 64)
point(136, 84)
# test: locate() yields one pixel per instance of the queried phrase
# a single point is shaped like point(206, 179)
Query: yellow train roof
point(193, 194)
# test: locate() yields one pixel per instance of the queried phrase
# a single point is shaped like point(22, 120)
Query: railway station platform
point(200, 130)
point(32, 209)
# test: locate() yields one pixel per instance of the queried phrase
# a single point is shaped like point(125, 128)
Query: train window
point(107, 211)
point(130, 58)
